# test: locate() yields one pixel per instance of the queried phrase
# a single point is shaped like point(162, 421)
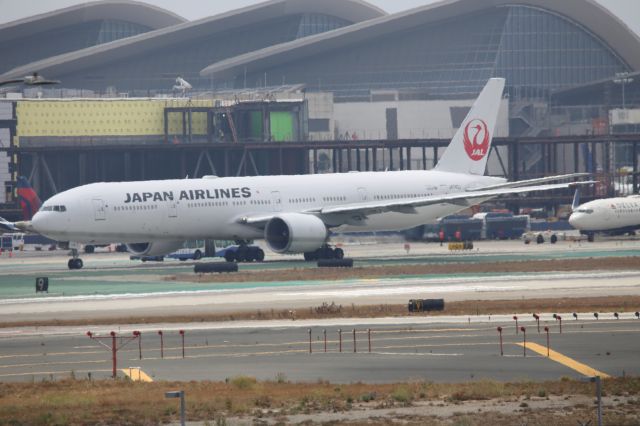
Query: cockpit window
point(54, 209)
point(586, 211)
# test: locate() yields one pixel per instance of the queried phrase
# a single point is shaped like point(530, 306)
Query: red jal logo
point(476, 139)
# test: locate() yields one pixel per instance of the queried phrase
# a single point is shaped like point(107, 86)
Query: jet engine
point(154, 248)
point(295, 233)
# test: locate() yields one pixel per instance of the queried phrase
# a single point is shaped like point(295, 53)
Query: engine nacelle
point(154, 248)
point(295, 233)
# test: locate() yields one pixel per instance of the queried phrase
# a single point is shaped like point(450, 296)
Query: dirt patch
point(80, 402)
point(330, 274)
point(327, 310)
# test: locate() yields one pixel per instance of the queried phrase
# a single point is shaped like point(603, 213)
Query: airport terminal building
point(340, 71)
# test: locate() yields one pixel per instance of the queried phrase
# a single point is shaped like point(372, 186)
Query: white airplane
point(34, 79)
point(294, 214)
point(610, 215)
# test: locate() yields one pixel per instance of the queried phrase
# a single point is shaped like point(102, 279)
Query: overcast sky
point(628, 10)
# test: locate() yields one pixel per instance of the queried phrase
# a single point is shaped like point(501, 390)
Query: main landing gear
point(244, 253)
point(324, 252)
point(75, 262)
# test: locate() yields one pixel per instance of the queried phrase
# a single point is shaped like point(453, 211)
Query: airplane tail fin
point(29, 201)
point(576, 200)
point(468, 151)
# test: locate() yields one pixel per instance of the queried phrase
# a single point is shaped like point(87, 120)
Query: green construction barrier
point(281, 126)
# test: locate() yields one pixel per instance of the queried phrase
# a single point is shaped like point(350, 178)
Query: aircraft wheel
point(71, 264)
point(338, 253)
point(89, 249)
point(197, 255)
point(554, 239)
point(78, 263)
point(591, 237)
point(539, 239)
point(230, 256)
point(259, 255)
point(310, 256)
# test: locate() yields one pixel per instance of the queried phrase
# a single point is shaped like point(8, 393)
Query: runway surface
point(448, 349)
point(451, 349)
point(113, 286)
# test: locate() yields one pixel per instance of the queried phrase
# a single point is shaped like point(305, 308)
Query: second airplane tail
point(468, 151)
point(29, 201)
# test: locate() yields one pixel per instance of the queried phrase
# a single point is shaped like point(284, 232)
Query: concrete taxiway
point(446, 349)
point(113, 286)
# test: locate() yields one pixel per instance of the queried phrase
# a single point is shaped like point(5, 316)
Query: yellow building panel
point(104, 117)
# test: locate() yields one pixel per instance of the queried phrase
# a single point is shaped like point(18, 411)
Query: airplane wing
point(256, 220)
point(15, 81)
point(528, 182)
point(6, 226)
point(463, 199)
point(408, 206)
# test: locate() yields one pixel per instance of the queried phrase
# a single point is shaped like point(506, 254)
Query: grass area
point(331, 274)
point(619, 304)
point(82, 402)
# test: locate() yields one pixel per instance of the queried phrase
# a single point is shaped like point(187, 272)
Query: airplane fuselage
point(133, 212)
point(609, 214)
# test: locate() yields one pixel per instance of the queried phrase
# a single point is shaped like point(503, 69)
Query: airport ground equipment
point(425, 305)
point(324, 253)
point(241, 252)
point(459, 246)
point(335, 263)
point(219, 267)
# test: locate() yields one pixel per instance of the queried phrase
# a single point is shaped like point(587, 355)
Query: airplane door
point(362, 194)
point(276, 200)
point(173, 209)
point(99, 212)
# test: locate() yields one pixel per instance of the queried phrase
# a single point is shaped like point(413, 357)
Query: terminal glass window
point(312, 23)
point(111, 30)
point(536, 50)
point(541, 51)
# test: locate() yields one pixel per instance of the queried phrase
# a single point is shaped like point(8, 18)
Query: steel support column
point(635, 167)
point(374, 159)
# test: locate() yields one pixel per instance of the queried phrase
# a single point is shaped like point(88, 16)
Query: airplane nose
point(38, 222)
point(574, 219)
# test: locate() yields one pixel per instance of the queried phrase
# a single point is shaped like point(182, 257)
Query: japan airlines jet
point(294, 214)
point(611, 215)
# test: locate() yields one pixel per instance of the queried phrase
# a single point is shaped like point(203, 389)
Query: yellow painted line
point(565, 360)
point(136, 374)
